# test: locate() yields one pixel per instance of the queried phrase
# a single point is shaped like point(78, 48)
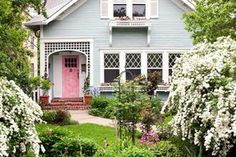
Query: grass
point(97, 133)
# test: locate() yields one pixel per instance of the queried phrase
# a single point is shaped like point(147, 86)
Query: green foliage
point(45, 85)
point(91, 131)
point(14, 57)
point(211, 19)
point(59, 143)
point(153, 80)
point(102, 107)
point(57, 117)
point(125, 149)
point(167, 149)
point(137, 152)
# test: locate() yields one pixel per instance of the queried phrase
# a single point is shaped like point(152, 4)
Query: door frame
point(78, 71)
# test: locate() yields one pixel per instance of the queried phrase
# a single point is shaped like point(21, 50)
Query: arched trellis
point(75, 51)
point(78, 47)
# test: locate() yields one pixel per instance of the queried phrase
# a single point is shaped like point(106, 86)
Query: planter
point(87, 100)
point(44, 100)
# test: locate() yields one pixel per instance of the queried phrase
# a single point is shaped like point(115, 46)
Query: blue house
point(100, 39)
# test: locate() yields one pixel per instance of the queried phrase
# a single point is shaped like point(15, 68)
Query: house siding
point(167, 31)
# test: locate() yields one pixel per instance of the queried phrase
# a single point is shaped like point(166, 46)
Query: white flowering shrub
point(203, 96)
point(18, 114)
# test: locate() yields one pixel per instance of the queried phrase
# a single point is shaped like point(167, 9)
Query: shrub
point(100, 103)
point(57, 117)
point(59, 143)
point(88, 147)
point(102, 107)
point(49, 116)
point(18, 115)
point(203, 96)
point(167, 149)
point(137, 152)
point(49, 138)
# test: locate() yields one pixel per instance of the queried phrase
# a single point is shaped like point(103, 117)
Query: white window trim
point(129, 8)
point(144, 68)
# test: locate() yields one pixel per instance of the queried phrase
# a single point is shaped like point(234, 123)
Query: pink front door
point(70, 76)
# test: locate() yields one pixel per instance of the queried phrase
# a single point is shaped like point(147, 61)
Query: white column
point(42, 62)
point(129, 8)
point(122, 65)
point(102, 67)
point(144, 63)
point(91, 63)
point(165, 73)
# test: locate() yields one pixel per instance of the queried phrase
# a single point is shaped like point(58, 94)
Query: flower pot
point(87, 99)
point(44, 100)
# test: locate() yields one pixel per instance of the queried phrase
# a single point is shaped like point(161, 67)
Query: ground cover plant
point(91, 131)
point(203, 96)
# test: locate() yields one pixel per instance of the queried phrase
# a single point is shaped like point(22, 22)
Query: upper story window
point(129, 8)
point(120, 10)
point(139, 10)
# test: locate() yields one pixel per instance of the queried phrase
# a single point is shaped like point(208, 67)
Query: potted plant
point(45, 85)
point(87, 95)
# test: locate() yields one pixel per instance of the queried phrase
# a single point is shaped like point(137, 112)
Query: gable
point(59, 9)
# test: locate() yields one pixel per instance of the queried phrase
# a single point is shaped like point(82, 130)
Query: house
point(102, 38)
point(31, 44)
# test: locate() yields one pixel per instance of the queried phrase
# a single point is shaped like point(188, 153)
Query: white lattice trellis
point(133, 60)
point(154, 60)
point(172, 59)
point(111, 61)
point(51, 47)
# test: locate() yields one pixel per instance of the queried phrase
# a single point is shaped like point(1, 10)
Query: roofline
point(189, 3)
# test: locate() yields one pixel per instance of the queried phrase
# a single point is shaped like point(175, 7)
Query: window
point(111, 65)
point(32, 69)
point(133, 65)
point(70, 62)
point(172, 60)
point(139, 10)
point(119, 10)
point(155, 61)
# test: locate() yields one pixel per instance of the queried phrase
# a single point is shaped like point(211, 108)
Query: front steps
point(66, 104)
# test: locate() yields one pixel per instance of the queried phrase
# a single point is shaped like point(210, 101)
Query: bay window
point(155, 63)
point(111, 67)
point(133, 65)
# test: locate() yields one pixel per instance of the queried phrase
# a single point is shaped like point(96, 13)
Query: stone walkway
point(84, 117)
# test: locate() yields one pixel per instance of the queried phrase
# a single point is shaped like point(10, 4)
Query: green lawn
point(97, 133)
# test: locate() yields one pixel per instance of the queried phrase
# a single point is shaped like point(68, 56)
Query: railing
point(130, 23)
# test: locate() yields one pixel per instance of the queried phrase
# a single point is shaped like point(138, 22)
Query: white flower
point(18, 112)
point(203, 93)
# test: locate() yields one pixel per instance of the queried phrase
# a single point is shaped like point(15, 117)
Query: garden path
point(82, 116)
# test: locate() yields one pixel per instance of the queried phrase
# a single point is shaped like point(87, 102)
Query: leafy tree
point(14, 57)
point(212, 19)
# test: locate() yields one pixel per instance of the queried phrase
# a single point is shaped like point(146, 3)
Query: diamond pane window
point(111, 61)
point(133, 60)
point(154, 60)
point(172, 59)
point(111, 65)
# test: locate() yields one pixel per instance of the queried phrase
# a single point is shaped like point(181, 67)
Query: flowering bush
point(149, 137)
point(18, 114)
point(203, 96)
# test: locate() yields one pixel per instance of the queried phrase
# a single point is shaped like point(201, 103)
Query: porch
point(66, 104)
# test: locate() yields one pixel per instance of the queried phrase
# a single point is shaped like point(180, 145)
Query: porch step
point(66, 104)
point(65, 107)
point(67, 100)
